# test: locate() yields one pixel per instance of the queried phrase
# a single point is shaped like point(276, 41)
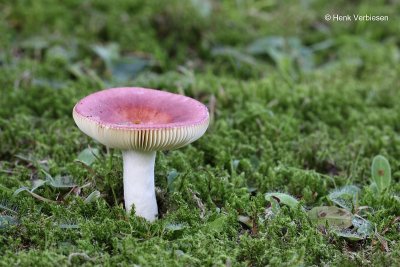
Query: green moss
point(303, 119)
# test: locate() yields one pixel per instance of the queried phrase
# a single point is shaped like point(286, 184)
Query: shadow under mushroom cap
point(141, 119)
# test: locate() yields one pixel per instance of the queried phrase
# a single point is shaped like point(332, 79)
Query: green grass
point(299, 106)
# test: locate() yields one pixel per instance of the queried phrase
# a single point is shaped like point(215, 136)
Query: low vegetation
point(300, 165)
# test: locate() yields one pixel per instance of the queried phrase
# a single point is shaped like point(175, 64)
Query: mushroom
point(141, 121)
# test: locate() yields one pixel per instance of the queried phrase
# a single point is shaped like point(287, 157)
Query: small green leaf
point(62, 182)
point(345, 197)
point(234, 164)
point(175, 226)
point(5, 205)
point(77, 70)
point(283, 198)
point(127, 68)
point(179, 253)
point(364, 227)
point(37, 42)
point(107, 53)
point(6, 220)
point(264, 45)
point(374, 188)
point(60, 54)
point(176, 229)
point(285, 52)
point(49, 178)
point(21, 189)
point(381, 173)
point(232, 53)
point(350, 235)
point(245, 220)
point(37, 183)
point(92, 197)
point(55, 84)
point(88, 156)
point(275, 208)
point(333, 216)
point(203, 7)
point(171, 178)
point(122, 68)
point(24, 188)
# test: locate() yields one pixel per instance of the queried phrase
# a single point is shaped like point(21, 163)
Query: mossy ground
point(302, 114)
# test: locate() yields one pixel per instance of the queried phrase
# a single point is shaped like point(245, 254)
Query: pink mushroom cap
point(133, 118)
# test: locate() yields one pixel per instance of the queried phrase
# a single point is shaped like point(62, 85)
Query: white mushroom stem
point(139, 183)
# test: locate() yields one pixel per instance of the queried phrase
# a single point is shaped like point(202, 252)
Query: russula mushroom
point(141, 121)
